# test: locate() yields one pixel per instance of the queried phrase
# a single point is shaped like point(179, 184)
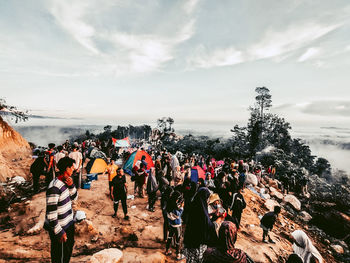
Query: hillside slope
point(15, 153)
point(140, 239)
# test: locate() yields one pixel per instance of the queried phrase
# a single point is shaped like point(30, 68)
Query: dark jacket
point(269, 220)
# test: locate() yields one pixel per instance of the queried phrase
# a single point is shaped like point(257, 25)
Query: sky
point(198, 61)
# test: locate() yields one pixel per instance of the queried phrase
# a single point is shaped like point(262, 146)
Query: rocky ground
point(140, 238)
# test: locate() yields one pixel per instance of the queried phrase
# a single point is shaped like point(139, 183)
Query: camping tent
point(121, 143)
point(136, 156)
point(97, 165)
point(196, 173)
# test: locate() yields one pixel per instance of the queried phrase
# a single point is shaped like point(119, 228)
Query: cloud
point(70, 16)
point(123, 52)
point(328, 108)
point(276, 43)
point(310, 53)
point(190, 5)
point(220, 57)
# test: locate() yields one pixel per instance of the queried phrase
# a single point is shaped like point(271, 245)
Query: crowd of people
point(201, 218)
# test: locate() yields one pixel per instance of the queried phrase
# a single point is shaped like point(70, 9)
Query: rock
point(338, 249)
point(276, 194)
point(152, 232)
point(273, 183)
point(305, 216)
point(251, 179)
point(293, 201)
point(265, 196)
point(111, 255)
point(270, 204)
point(85, 227)
point(137, 255)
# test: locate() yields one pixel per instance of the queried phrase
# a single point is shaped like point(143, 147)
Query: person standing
point(174, 212)
point(152, 188)
point(38, 168)
point(112, 172)
point(237, 206)
point(50, 159)
point(267, 222)
point(78, 158)
point(119, 189)
point(60, 154)
point(59, 212)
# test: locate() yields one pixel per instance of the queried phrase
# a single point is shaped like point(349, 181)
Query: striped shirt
point(59, 212)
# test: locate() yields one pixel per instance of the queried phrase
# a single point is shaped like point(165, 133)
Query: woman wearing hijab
point(226, 252)
point(200, 231)
point(304, 248)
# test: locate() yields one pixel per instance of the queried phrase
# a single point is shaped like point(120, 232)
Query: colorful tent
point(136, 156)
point(121, 143)
point(97, 165)
point(196, 173)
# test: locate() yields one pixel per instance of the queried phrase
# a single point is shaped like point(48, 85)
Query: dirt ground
point(140, 238)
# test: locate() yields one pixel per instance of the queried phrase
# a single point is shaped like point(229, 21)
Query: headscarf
point(307, 250)
point(199, 230)
point(226, 251)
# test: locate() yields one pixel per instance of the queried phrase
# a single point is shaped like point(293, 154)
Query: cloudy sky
point(195, 60)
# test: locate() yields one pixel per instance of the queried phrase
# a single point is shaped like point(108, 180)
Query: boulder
point(305, 216)
point(273, 183)
point(276, 194)
point(251, 179)
point(111, 255)
point(270, 204)
point(293, 201)
point(338, 249)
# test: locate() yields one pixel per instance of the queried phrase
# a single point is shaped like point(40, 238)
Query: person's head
point(143, 158)
point(51, 145)
point(277, 209)
point(120, 172)
point(201, 182)
point(65, 166)
point(214, 199)
point(59, 148)
point(227, 235)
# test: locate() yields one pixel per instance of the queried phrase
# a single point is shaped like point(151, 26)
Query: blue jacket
point(174, 217)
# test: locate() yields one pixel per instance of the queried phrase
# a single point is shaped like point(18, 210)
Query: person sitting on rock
point(119, 189)
point(225, 252)
point(267, 222)
point(303, 247)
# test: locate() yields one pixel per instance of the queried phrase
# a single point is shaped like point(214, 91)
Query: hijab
point(199, 229)
point(226, 251)
point(307, 249)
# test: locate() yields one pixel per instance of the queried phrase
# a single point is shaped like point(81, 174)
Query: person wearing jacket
point(267, 222)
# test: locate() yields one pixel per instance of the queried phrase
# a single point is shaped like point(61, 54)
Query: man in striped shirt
point(59, 212)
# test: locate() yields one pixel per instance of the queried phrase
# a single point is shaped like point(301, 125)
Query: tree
point(12, 111)
point(263, 100)
point(323, 168)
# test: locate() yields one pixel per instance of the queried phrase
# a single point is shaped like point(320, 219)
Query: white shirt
point(77, 156)
point(59, 156)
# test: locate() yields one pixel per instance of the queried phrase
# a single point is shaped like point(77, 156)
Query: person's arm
point(52, 197)
point(51, 162)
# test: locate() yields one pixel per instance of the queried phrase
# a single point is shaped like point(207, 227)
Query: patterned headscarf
point(226, 252)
